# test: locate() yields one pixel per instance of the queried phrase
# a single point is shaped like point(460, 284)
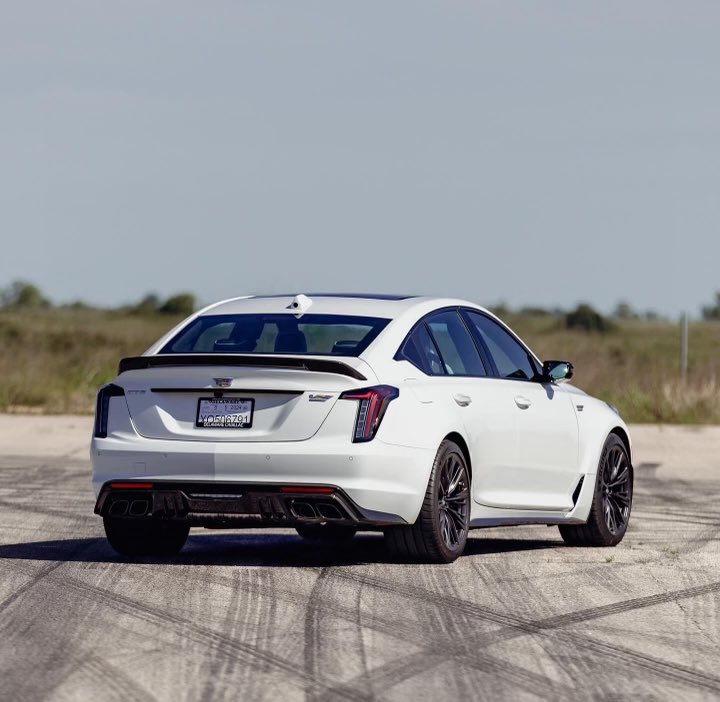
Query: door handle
point(462, 400)
point(522, 402)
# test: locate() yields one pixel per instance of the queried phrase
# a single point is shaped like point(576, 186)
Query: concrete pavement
point(262, 615)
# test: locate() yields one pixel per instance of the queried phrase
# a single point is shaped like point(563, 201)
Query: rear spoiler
point(319, 365)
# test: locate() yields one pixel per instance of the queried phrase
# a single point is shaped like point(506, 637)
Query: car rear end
point(238, 421)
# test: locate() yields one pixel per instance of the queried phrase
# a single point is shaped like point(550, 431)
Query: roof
point(354, 296)
point(383, 306)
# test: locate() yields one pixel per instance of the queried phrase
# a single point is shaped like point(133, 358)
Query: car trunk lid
point(289, 401)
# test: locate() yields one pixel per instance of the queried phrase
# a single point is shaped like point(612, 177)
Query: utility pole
point(684, 346)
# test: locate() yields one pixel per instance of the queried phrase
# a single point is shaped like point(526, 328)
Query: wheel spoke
point(443, 525)
point(456, 476)
point(457, 497)
point(613, 468)
point(621, 497)
point(618, 512)
point(609, 517)
point(457, 517)
point(443, 483)
point(620, 478)
point(454, 536)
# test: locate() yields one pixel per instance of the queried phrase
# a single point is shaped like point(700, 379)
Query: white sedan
point(421, 417)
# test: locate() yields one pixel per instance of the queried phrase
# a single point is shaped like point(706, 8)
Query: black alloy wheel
point(612, 500)
point(453, 501)
point(441, 530)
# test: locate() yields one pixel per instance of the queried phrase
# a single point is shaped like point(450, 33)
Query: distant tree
point(712, 312)
point(24, 295)
point(532, 311)
point(586, 318)
point(500, 309)
point(78, 306)
point(148, 305)
point(624, 311)
point(182, 303)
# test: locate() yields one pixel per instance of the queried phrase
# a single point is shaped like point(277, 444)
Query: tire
point(145, 537)
point(612, 500)
point(440, 532)
point(327, 533)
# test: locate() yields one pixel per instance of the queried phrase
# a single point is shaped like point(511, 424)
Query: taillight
point(372, 405)
point(131, 486)
point(102, 407)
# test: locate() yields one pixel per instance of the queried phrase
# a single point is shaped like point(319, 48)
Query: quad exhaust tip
point(303, 509)
point(314, 510)
point(328, 510)
point(124, 508)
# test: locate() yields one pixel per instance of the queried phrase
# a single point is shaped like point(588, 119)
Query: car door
point(545, 466)
point(489, 427)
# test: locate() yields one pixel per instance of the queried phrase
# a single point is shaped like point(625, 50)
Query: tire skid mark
point(42, 648)
point(223, 665)
point(188, 629)
point(636, 603)
point(389, 675)
point(392, 673)
point(48, 511)
point(38, 575)
point(361, 638)
point(115, 683)
point(532, 626)
point(312, 640)
point(34, 580)
point(513, 626)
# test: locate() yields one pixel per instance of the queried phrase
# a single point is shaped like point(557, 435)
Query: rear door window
point(420, 350)
point(457, 348)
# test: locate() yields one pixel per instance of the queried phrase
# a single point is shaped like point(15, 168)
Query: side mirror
point(557, 371)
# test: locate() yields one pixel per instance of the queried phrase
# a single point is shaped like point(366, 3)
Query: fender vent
point(576, 494)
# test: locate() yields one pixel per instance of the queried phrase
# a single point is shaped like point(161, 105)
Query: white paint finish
point(528, 446)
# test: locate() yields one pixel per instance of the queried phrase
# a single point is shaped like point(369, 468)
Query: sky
point(535, 153)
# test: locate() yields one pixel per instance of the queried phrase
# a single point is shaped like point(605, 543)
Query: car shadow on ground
point(270, 550)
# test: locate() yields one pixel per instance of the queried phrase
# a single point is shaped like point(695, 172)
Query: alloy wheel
point(616, 490)
point(453, 501)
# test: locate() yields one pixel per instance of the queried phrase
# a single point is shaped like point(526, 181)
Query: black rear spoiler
point(319, 365)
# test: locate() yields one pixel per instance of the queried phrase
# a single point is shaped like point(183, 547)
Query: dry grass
point(53, 361)
point(637, 366)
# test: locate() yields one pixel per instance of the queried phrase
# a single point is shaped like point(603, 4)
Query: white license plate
point(224, 413)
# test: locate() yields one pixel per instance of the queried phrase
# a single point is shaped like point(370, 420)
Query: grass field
point(53, 361)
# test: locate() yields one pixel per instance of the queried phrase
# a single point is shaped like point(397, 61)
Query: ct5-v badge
point(223, 382)
point(318, 397)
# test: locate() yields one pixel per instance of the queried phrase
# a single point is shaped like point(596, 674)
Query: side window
point(458, 350)
point(509, 355)
point(420, 350)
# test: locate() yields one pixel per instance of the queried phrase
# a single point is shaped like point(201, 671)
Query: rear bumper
point(232, 505)
point(382, 483)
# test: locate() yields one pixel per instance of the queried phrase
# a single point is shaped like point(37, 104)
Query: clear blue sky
point(532, 152)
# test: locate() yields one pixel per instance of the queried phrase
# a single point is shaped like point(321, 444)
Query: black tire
point(145, 537)
point(612, 500)
point(440, 532)
point(327, 533)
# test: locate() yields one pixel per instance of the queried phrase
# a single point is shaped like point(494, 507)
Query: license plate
point(225, 413)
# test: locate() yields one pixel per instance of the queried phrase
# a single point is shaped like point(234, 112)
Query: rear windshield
point(321, 334)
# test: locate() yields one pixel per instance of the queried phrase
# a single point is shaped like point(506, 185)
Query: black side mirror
point(556, 371)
